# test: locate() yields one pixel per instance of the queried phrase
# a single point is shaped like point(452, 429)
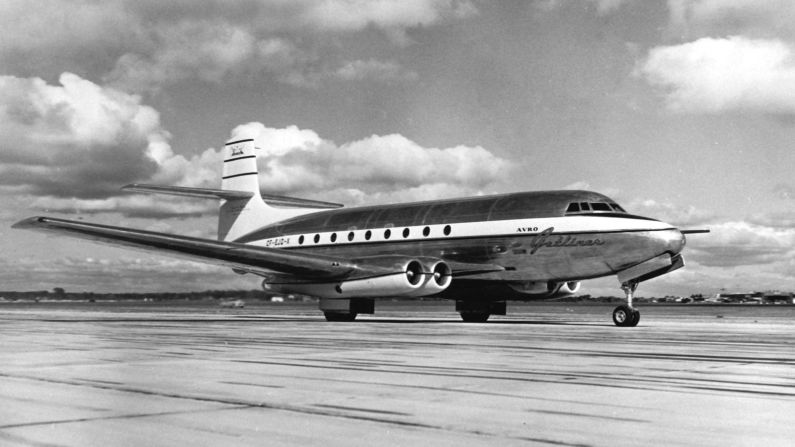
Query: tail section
point(243, 208)
point(238, 217)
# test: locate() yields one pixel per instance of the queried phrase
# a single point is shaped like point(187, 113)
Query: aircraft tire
point(624, 316)
point(340, 316)
point(475, 317)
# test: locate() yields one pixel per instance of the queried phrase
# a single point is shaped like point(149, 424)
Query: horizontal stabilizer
point(202, 193)
point(298, 203)
point(206, 193)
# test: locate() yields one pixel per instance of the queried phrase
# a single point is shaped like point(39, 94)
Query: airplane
point(479, 251)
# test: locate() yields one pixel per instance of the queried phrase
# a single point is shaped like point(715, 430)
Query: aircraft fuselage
point(532, 236)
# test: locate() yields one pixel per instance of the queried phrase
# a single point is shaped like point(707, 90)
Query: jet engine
point(546, 289)
point(566, 289)
point(382, 276)
point(438, 277)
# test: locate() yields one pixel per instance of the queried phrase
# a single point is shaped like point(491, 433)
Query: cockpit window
point(591, 207)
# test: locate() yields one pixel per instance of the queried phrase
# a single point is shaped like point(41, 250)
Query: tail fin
point(240, 167)
point(238, 217)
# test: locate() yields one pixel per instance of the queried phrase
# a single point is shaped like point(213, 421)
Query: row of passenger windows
point(585, 207)
point(369, 235)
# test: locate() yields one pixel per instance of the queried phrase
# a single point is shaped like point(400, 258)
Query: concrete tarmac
point(412, 374)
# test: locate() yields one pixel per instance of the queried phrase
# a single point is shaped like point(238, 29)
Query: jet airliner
point(478, 251)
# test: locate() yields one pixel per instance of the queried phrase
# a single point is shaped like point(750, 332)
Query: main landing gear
point(479, 311)
point(625, 315)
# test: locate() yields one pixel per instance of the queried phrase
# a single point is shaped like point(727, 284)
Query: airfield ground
point(412, 374)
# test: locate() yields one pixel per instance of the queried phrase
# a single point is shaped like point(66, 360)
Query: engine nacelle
point(546, 289)
point(408, 277)
point(438, 276)
point(566, 289)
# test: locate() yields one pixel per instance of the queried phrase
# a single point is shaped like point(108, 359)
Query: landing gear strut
point(625, 315)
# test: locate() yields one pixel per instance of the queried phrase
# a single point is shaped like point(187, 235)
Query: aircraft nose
point(672, 240)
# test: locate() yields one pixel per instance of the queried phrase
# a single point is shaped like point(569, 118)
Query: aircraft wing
point(238, 256)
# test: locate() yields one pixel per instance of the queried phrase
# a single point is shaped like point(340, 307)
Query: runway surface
point(412, 374)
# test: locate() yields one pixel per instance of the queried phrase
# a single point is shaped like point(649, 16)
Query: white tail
point(238, 217)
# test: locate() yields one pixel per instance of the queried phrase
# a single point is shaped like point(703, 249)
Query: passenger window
point(368, 234)
point(350, 236)
point(387, 233)
point(333, 237)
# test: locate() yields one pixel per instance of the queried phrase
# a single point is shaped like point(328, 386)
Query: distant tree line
point(59, 293)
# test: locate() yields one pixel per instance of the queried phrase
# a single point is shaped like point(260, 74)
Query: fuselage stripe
point(239, 175)
point(238, 141)
point(564, 226)
point(345, 243)
point(414, 239)
point(240, 158)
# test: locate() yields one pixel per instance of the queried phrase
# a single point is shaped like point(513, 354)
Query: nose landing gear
point(625, 315)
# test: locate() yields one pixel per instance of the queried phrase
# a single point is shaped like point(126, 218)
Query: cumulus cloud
point(76, 143)
point(141, 46)
point(211, 51)
point(76, 137)
point(145, 206)
point(684, 217)
point(717, 75)
point(45, 38)
point(73, 145)
point(742, 243)
point(294, 160)
point(603, 7)
point(757, 18)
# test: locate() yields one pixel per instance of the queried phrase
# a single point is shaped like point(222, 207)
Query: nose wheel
point(625, 315)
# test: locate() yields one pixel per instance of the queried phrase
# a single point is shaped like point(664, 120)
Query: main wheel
point(475, 317)
point(340, 316)
point(624, 316)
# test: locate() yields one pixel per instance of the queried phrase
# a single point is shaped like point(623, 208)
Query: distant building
point(769, 297)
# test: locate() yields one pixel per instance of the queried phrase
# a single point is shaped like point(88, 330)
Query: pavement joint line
point(238, 406)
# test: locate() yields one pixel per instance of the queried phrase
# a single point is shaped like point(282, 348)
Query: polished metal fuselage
point(529, 236)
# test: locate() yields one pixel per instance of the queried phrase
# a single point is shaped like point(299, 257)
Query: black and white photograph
point(397, 222)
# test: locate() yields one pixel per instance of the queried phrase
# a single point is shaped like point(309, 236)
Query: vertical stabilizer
point(240, 167)
point(238, 217)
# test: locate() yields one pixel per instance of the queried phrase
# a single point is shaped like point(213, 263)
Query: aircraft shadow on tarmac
point(256, 319)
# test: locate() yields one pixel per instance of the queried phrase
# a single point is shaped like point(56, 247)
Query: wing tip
point(29, 222)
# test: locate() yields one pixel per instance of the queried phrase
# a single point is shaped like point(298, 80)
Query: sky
point(681, 110)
